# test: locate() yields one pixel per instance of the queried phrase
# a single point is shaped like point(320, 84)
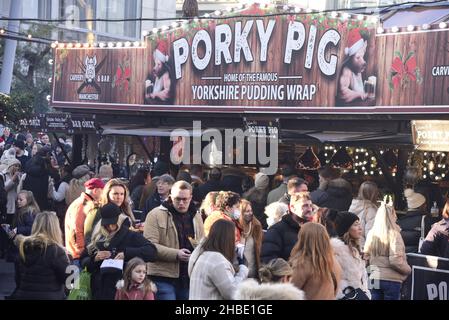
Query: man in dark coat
point(334, 192)
point(213, 184)
point(37, 176)
point(411, 222)
point(280, 238)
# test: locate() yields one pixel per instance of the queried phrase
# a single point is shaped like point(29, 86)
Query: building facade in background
point(94, 9)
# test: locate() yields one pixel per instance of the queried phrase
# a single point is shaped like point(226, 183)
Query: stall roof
point(313, 136)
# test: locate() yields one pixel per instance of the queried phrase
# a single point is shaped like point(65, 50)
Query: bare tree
point(190, 9)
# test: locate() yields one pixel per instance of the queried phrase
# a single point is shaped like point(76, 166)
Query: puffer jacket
point(279, 239)
point(37, 175)
point(337, 195)
point(42, 274)
point(366, 211)
point(393, 267)
point(354, 273)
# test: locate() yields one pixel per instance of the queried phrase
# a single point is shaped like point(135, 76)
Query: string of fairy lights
point(434, 165)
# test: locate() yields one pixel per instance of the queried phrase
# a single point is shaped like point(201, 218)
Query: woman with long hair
point(27, 208)
point(43, 261)
point(116, 191)
point(135, 284)
point(251, 237)
point(140, 179)
point(365, 207)
point(112, 239)
point(212, 275)
point(385, 251)
point(348, 253)
point(208, 204)
point(315, 270)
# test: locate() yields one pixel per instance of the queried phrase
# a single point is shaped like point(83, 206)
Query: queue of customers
point(195, 240)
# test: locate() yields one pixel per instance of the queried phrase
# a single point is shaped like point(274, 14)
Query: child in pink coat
point(135, 285)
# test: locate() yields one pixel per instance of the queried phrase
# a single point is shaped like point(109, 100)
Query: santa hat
point(161, 52)
point(355, 42)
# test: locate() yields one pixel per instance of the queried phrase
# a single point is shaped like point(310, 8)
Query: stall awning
point(315, 136)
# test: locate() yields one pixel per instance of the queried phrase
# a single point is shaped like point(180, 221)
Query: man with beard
point(351, 84)
point(280, 238)
point(157, 85)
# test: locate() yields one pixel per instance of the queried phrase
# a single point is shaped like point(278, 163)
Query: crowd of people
point(161, 236)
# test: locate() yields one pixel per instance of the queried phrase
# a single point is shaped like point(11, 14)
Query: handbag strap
point(334, 281)
point(422, 227)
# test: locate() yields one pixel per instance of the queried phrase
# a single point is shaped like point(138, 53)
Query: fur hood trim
point(251, 290)
point(121, 284)
point(353, 269)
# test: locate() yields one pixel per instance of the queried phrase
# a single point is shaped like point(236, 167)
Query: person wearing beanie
point(81, 171)
point(412, 221)
point(163, 186)
point(21, 155)
point(347, 253)
point(80, 175)
point(158, 83)
point(112, 239)
point(257, 195)
point(74, 224)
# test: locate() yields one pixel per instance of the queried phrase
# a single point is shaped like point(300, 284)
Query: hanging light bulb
point(308, 160)
point(341, 159)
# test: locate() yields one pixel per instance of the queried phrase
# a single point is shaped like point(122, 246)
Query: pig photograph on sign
point(353, 85)
point(159, 86)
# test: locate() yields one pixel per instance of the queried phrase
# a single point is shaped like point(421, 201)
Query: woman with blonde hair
point(385, 250)
point(275, 284)
point(251, 237)
point(208, 205)
point(365, 207)
point(43, 261)
point(315, 270)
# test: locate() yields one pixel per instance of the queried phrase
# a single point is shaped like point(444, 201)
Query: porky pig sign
point(307, 61)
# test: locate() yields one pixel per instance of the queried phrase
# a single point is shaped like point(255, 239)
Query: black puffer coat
point(279, 239)
point(410, 224)
point(42, 275)
point(132, 244)
point(338, 195)
point(36, 181)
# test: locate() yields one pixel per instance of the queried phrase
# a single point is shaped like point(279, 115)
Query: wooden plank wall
point(430, 49)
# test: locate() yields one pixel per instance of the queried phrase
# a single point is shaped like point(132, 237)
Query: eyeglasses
point(178, 200)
